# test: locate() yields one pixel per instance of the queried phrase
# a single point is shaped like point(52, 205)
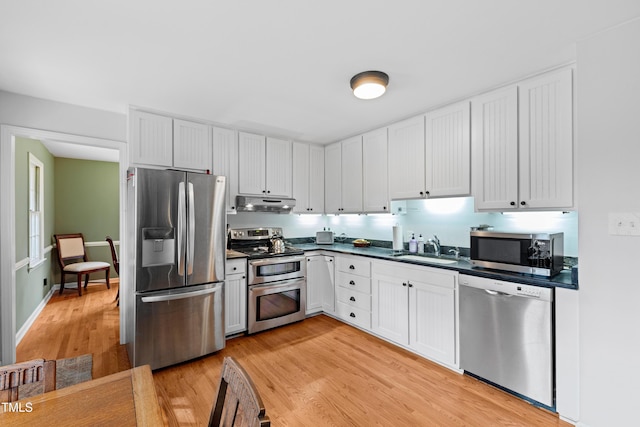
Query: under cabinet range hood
point(264, 204)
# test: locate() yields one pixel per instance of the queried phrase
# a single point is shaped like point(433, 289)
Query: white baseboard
point(25, 328)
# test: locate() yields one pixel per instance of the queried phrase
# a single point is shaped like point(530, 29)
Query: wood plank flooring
point(316, 372)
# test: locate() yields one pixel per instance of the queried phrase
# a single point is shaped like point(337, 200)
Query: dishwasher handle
point(497, 293)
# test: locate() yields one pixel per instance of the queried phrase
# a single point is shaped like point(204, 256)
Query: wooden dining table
point(127, 398)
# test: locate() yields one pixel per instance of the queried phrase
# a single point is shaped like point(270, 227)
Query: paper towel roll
point(398, 242)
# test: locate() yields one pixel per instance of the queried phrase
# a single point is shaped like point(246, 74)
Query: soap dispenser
point(413, 244)
point(420, 244)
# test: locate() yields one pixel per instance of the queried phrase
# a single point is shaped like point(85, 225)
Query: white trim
point(22, 263)
point(27, 325)
point(8, 134)
point(36, 163)
point(94, 244)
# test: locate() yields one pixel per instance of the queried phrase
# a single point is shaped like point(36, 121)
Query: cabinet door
point(225, 161)
point(301, 176)
point(495, 149)
point(191, 145)
point(320, 284)
point(406, 159)
point(333, 178)
point(316, 179)
point(278, 167)
point(432, 321)
point(375, 181)
point(447, 150)
point(235, 297)
point(546, 141)
point(390, 308)
point(352, 175)
point(151, 139)
point(252, 161)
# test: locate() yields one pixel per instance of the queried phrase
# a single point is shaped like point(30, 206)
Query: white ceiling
point(283, 67)
point(77, 151)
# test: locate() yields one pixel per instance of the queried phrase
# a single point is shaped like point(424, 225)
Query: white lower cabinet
point(320, 284)
point(353, 290)
point(415, 307)
point(235, 296)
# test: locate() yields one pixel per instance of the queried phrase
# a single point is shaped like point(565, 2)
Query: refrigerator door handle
point(181, 295)
point(182, 217)
point(191, 238)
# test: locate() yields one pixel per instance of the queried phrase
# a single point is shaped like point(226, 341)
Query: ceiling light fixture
point(369, 84)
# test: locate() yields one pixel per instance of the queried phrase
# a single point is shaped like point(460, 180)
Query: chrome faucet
point(455, 252)
point(435, 242)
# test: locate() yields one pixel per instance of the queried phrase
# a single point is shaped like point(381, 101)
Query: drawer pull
point(352, 267)
point(410, 285)
point(352, 299)
point(404, 284)
point(351, 282)
point(352, 315)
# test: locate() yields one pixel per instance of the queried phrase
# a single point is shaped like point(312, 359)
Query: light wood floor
point(319, 372)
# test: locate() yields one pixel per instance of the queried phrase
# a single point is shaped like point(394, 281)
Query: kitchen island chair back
point(238, 402)
point(72, 258)
point(23, 373)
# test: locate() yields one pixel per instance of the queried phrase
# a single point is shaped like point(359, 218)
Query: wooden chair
point(238, 402)
point(33, 371)
point(116, 263)
point(73, 260)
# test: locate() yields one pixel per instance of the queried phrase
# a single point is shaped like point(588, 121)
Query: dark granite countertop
point(562, 280)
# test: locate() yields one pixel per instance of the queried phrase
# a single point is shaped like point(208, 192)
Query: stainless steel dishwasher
point(506, 335)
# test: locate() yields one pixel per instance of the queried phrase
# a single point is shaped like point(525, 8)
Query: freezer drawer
point(178, 325)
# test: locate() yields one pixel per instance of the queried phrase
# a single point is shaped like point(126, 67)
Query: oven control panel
point(261, 233)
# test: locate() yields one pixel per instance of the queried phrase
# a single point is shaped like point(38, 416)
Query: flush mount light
point(369, 84)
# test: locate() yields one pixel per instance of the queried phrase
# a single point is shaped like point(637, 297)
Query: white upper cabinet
point(352, 175)
point(333, 178)
point(308, 178)
point(265, 166)
point(546, 141)
point(447, 151)
point(375, 177)
point(407, 159)
point(157, 140)
point(225, 161)
point(523, 145)
point(343, 176)
point(495, 149)
point(191, 145)
point(150, 139)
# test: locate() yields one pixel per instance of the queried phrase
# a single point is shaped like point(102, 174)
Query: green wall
point(80, 196)
point(29, 282)
point(87, 202)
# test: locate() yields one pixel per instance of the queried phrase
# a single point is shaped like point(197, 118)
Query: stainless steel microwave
point(529, 253)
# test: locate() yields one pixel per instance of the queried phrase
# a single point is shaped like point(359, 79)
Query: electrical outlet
point(624, 224)
point(44, 282)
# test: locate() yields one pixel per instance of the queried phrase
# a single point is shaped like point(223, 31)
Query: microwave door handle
point(182, 214)
point(192, 230)
point(181, 295)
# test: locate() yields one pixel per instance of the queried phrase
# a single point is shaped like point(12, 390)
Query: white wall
point(37, 113)
point(608, 90)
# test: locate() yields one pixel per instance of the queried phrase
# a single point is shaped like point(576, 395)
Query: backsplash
point(450, 219)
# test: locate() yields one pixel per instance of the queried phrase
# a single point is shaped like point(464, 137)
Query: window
point(36, 214)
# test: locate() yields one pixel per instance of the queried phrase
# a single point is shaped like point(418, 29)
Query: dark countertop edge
point(561, 280)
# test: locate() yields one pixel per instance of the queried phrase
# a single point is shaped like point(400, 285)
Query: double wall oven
point(276, 277)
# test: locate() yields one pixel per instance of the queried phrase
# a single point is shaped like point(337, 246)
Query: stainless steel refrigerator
point(176, 221)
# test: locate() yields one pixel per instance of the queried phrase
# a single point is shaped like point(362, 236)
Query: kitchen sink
point(427, 260)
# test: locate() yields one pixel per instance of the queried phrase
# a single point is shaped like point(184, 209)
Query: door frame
point(8, 136)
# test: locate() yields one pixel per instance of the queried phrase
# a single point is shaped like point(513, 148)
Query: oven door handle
point(275, 287)
point(278, 260)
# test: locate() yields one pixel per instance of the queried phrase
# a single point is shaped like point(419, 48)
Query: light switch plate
point(624, 224)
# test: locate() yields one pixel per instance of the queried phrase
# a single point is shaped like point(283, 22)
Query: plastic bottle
point(413, 244)
point(420, 244)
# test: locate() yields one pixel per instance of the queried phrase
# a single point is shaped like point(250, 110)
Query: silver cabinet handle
point(181, 295)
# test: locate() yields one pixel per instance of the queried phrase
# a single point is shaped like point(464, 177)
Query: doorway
point(9, 135)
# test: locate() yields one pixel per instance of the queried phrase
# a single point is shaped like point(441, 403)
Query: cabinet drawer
point(360, 267)
point(354, 315)
point(353, 282)
point(236, 266)
point(354, 299)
